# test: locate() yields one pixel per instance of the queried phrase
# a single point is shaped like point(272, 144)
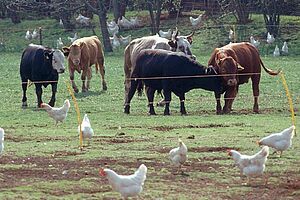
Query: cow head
point(56, 57)
point(74, 53)
point(229, 68)
point(182, 43)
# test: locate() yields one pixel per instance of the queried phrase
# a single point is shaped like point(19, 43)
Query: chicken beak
point(102, 172)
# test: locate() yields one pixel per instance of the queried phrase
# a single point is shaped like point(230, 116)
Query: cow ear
point(66, 51)
point(240, 68)
point(48, 54)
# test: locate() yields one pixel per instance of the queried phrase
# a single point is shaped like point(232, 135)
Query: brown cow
point(177, 43)
point(82, 54)
point(237, 62)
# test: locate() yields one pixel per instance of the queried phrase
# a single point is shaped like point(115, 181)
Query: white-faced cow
point(82, 54)
point(237, 62)
point(177, 43)
point(171, 72)
point(41, 65)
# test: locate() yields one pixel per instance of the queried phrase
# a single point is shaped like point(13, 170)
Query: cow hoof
point(76, 90)
point(24, 105)
point(152, 113)
point(256, 111)
point(104, 87)
point(84, 90)
point(51, 103)
point(127, 109)
point(184, 113)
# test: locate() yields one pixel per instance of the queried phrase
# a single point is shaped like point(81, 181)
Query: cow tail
point(269, 71)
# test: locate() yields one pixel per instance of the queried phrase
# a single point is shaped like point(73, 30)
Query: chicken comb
point(102, 172)
point(228, 151)
point(257, 142)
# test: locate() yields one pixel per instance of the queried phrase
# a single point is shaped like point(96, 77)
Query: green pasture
point(43, 161)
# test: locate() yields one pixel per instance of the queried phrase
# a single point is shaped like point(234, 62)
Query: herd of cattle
point(164, 65)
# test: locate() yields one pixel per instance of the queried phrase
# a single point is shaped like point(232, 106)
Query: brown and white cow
point(177, 43)
point(237, 62)
point(82, 54)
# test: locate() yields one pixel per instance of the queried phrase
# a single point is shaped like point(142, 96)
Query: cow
point(236, 63)
point(41, 65)
point(177, 43)
point(156, 68)
point(81, 55)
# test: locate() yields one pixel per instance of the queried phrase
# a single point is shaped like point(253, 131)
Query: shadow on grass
point(89, 93)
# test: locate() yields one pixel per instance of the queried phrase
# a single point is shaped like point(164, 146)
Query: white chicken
point(165, 34)
point(125, 40)
point(28, 35)
point(279, 141)
point(196, 21)
point(134, 21)
point(126, 185)
point(285, 49)
point(59, 43)
point(1, 140)
point(251, 166)
point(276, 52)
point(254, 42)
point(61, 22)
point(115, 41)
point(83, 20)
point(178, 155)
point(87, 130)
point(58, 114)
point(270, 38)
point(35, 34)
point(72, 39)
point(125, 23)
point(231, 35)
point(114, 29)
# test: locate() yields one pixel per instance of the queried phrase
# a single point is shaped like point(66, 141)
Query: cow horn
point(240, 68)
point(190, 37)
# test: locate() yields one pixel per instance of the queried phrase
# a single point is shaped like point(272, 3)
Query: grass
point(42, 161)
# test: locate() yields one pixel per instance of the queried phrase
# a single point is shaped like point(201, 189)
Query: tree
point(119, 8)
point(155, 19)
point(100, 9)
point(240, 8)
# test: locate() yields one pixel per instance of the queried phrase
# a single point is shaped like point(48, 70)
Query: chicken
point(28, 35)
point(251, 166)
point(125, 40)
point(115, 41)
point(231, 35)
point(134, 21)
point(178, 155)
point(126, 185)
point(279, 141)
point(87, 131)
point(113, 29)
point(270, 38)
point(61, 22)
point(35, 34)
point(125, 23)
point(58, 114)
point(83, 20)
point(196, 21)
point(1, 140)
point(285, 48)
point(59, 43)
point(254, 42)
point(165, 34)
point(72, 39)
point(276, 52)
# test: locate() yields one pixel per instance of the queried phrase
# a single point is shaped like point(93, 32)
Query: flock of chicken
point(132, 185)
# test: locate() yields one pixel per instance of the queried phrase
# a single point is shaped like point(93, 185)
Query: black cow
point(41, 65)
point(162, 65)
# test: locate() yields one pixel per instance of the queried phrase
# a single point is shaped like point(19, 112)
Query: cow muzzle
point(76, 62)
point(232, 82)
point(61, 71)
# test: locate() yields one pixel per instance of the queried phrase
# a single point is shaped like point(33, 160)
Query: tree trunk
point(158, 13)
point(242, 12)
point(153, 24)
point(122, 7)
point(103, 26)
point(116, 9)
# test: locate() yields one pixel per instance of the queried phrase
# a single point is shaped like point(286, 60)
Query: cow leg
point(39, 91)
point(255, 88)
point(229, 97)
point(54, 90)
point(83, 79)
point(167, 95)
point(102, 73)
point(89, 77)
point(131, 92)
point(24, 88)
point(73, 82)
point(150, 95)
point(218, 100)
point(182, 106)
